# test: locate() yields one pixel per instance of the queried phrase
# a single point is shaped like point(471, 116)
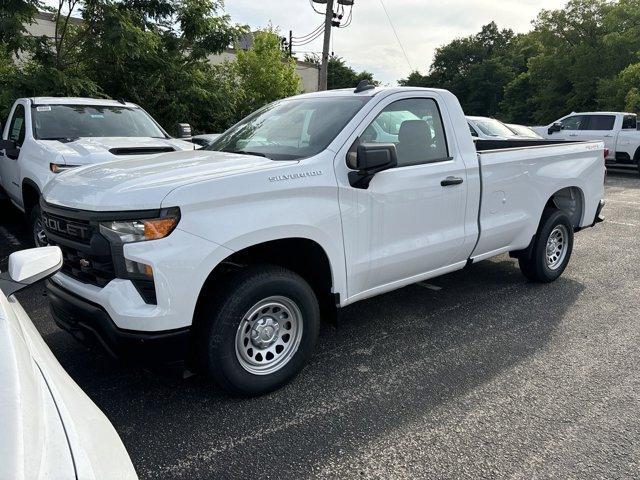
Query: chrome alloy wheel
point(556, 250)
point(269, 335)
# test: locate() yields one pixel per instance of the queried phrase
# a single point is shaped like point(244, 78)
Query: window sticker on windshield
point(97, 115)
point(45, 108)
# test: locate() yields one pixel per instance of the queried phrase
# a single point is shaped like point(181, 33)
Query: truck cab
point(45, 136)
point(618, 131)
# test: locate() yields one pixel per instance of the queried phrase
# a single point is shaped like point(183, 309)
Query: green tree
point(340, 75)
point(476, 68)
point(265, 73)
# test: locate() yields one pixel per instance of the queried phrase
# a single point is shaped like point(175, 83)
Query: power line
point(308, 40)
point(396, 34)
point(315, 30)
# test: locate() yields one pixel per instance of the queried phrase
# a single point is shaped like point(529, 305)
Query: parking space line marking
point(623, 223)
point(623, 201)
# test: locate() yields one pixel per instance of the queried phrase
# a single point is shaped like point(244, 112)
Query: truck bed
point(517, 178)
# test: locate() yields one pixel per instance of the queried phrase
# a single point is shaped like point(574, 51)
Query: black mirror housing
point(8, 145)
point(556, 127)
point(369, 159)
point(375, 157)
point(184, 130)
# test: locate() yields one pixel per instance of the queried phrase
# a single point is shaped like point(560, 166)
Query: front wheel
point(259, 331)
point(551, 250)
point(37, 227)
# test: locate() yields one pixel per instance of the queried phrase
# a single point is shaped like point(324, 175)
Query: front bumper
point(91, 324)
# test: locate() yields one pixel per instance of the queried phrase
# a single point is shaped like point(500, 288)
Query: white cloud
point(369, 42)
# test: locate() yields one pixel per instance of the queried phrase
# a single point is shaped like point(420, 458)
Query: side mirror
point(8, 145)
point(556, 127)
point(369, 159)
point(29, 266)
point(184, 130)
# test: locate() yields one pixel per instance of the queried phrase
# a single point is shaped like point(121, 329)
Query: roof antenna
point(122, 101)
point(363, 85)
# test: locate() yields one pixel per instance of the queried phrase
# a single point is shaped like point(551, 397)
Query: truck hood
point(84, 151)
point(143, 182)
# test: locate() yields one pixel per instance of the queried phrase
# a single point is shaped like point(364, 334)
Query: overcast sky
point(369, 43)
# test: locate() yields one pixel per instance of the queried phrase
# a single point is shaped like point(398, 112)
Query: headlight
point(59, 168)
point(127, 231)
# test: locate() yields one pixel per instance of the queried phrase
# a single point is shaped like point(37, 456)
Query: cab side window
point(17, 126)
point(630, 122)
point(599, 122)
point(575, 122)
point(414, 125)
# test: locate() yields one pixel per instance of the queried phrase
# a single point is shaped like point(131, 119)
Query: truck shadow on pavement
point(389, 361)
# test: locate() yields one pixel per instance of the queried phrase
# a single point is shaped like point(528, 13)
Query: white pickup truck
point(230, 253)
point(618, 130)
point(44, 136)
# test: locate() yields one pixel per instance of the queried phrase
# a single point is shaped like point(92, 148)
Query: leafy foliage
point(151, 52)
point(340, 75)
point(582, 57)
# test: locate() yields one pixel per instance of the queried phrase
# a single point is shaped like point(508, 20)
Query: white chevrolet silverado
point(618, 131)
point(47, 135)
point(229, 255)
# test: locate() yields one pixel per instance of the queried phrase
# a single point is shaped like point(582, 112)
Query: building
point(44, 25)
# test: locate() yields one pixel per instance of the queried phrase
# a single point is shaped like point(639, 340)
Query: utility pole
point(290, 43)
point(324, 67)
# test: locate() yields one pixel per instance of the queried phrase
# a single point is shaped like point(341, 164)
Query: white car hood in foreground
point(49, 427)
point(142, 183)
point(84, 151)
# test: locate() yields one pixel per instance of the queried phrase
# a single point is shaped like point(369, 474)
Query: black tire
point(36, 228)
point(219, 318)
point(535, 264)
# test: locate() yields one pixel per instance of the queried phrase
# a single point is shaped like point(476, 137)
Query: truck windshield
point(290, 129)
point(74, 121)
point(493, 128)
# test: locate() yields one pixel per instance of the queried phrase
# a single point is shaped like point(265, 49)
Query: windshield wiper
point(245, 152)
point(60, 139)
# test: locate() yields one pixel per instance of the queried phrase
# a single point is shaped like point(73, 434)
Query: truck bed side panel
point(517, 183)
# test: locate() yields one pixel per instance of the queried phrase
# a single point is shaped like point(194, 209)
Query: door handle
point(451, 181)
point(608, 136)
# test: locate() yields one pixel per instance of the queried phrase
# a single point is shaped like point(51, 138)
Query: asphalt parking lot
point(475, 374)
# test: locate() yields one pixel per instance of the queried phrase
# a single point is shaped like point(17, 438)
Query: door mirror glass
point(34, 264)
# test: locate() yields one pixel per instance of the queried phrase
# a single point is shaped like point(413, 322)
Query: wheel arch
point(30, 194)
point(302, 255)
point(571, 201)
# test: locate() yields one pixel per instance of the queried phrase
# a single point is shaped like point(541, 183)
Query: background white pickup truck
point(44, 136)
point(230, 253)
point(618, 130)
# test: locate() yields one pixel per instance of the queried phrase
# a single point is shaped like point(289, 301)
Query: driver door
point(15, 130)
point(410, 220)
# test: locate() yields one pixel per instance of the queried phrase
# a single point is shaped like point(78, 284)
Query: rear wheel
point(551, 249)
point(259, 331)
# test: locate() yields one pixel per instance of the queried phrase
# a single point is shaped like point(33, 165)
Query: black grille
point(86, 254)
point(88, 268)
point(73, 229)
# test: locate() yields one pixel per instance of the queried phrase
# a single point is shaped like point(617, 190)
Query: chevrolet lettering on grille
point(65, 228)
